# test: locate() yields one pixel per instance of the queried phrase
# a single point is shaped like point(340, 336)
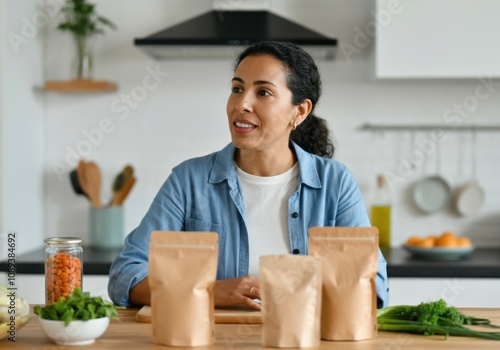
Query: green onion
point(432, 318)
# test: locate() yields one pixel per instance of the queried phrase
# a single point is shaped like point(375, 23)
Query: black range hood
point(223, 33)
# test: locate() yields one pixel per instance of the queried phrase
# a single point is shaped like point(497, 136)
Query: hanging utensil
point(470, 197)
point(432, 193)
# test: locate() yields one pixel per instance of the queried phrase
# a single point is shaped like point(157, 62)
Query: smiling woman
point(262, 192)
point(261, 116)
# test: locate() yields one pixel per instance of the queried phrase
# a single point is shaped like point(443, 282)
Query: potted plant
point(83, 22)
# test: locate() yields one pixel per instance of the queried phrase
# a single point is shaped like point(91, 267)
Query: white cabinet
point(459, 292)
point(32, 287)
point(437, 38)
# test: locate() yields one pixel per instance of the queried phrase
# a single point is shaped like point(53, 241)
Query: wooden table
point(129, 334)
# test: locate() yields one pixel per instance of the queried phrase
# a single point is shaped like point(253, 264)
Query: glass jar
point(63, 267)
point(83, 64)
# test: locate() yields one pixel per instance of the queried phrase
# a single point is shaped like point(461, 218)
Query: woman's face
point(259, 109)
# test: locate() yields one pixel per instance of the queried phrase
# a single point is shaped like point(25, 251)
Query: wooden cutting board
point(236, 315)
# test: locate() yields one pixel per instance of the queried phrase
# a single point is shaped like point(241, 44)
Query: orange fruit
point(426, 242)
point(447, 239)
point(413, 241)
point(464, 242)
point(448, 234)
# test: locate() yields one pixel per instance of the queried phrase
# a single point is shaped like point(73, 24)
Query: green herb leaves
point(79, 306)
point(432, 318)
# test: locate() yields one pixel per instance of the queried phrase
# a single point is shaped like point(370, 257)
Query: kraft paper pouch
point(182, 272)
point(290, 289)
point(349, 257)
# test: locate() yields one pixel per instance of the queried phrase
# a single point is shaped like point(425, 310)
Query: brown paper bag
point(182, 272)
point(290, 289)
point(349, 257)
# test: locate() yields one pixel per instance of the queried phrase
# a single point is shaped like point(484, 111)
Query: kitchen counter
point(129, 334)
point(482, 263)
point(95, 261)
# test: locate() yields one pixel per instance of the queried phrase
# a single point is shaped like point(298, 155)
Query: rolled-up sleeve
point(131, 266)
point(381, 282)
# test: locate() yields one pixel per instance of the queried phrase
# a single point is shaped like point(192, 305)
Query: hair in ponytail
point(304, 82)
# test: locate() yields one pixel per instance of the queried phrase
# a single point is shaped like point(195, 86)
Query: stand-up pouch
point(349, 257)
point(182, 272)
point(290, 289)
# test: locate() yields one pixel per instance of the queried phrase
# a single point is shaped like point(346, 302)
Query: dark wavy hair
point(304, 82)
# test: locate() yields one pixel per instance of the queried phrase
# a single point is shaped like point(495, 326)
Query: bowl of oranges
point(447, 246)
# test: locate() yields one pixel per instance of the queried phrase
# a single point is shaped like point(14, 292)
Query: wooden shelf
point(80, 86)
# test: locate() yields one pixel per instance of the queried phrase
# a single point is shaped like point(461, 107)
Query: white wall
point(185, 116)
point(22, 119)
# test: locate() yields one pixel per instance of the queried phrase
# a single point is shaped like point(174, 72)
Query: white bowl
point(77, 332)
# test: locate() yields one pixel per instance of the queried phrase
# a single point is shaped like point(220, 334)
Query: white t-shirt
point(266, 207)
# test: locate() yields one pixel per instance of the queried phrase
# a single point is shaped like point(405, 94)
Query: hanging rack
point(403, 127)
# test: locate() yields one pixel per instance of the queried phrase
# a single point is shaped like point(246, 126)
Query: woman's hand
point(237, 291)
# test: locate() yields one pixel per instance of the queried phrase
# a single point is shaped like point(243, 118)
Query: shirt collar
point(225, 168)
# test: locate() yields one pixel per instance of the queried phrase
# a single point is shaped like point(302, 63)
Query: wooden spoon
point(119, 183)
point(82, 179)
point(93, 183)
point(122, 194)
point(128, 171)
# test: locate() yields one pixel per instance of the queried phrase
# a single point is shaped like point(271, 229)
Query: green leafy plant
point(431, 318)
point(80, 306)
point(83, 22)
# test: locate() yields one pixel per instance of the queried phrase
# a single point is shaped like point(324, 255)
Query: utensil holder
point(106, 227)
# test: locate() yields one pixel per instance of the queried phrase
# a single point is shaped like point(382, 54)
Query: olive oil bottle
point(381, 212)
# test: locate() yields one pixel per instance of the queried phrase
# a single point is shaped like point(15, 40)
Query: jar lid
point(63, 240)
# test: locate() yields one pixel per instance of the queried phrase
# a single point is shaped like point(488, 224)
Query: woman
point(260, 193)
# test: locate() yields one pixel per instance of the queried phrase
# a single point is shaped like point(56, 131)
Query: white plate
point(440, 253)
point(431, 194)
point(469, 198)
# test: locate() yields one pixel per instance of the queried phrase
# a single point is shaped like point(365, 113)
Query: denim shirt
point(203, 194)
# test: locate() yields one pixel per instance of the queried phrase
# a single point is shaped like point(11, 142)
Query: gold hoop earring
point(294, 126)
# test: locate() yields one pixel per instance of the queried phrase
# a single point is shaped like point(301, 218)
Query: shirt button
point(296, 251)
point(295, 215)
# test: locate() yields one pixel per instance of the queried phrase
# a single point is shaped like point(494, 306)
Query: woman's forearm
point(140, 294)
point(231, 292)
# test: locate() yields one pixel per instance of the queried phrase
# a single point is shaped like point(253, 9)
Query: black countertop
point(95, 261)
point(481, 263)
